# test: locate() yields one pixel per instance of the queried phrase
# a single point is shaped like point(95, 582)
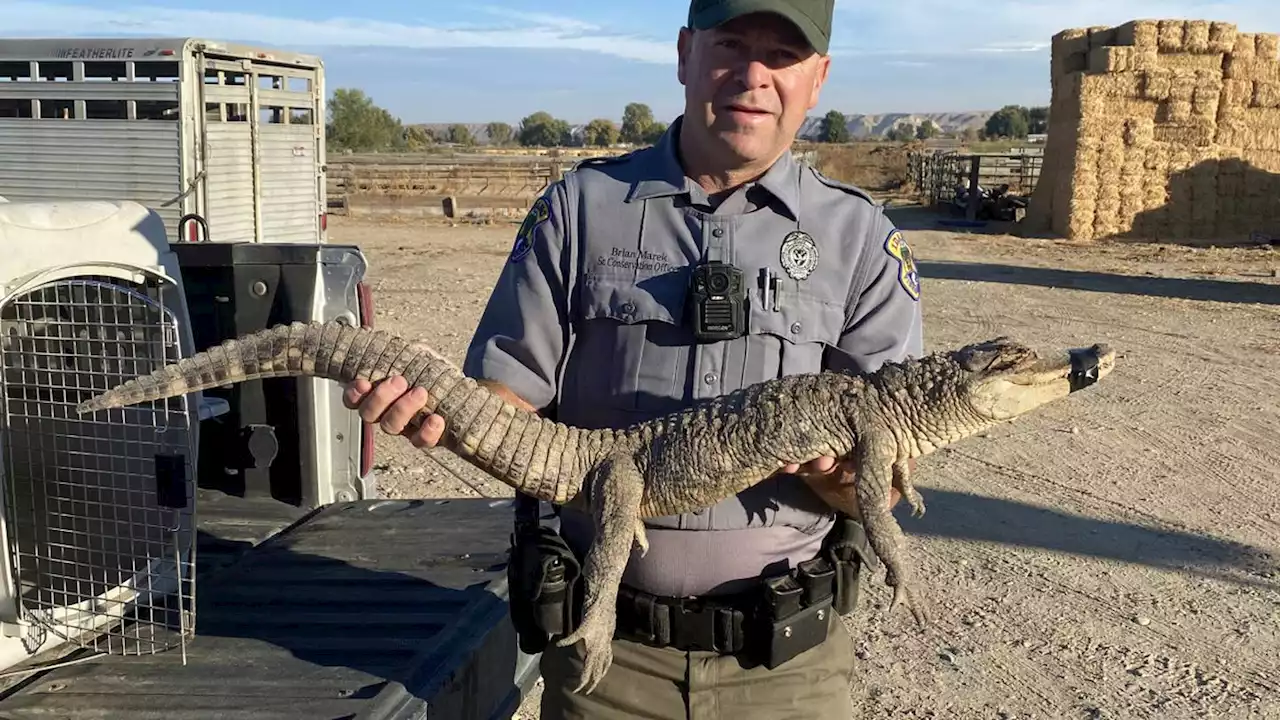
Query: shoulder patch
point(538, 214)
point(908, 276)
point(603, 160)
point(838, 185)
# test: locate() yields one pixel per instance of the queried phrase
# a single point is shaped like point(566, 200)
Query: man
point(596, 321)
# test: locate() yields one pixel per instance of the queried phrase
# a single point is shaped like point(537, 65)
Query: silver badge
point(799, 254)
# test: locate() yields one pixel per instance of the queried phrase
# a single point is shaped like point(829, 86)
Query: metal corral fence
point(935, 174)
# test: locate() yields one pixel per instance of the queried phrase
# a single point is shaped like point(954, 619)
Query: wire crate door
point(98, 508)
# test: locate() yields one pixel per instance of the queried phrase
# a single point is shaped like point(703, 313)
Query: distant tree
point(654, 133)
point(540, 129)
point(835, 127)
point(1038, 120)
point(461, 134)
point(1010, 121)
point(928, 129)
point(600, 132)
point(970, 134)
point(499, 133)
point(416, 137)
point(568, 138)
point(637, 122)
point(355, 123)
point(901, 132)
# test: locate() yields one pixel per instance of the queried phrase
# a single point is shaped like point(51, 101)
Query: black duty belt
point(773, 622)
point(776, 619)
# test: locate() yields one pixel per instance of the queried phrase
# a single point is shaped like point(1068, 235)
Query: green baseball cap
point(812, 17)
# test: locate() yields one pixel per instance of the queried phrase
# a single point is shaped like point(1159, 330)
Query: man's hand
point(389, 406)
point(819, 467)
point(833, 481)
point(392, 405)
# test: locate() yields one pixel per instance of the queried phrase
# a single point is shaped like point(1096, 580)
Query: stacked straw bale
point(1162, 129)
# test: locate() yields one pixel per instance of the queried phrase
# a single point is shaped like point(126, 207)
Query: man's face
point(749, 85)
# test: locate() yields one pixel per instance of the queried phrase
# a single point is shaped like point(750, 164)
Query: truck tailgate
point(363, 610)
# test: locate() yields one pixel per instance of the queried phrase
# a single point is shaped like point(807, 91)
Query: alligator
point(682, 461)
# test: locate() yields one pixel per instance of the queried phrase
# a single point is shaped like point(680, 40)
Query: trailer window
point(224, 77)
point(106, 110)
point(15, 71)
point(57, 109)
point(58, 71)
point(15, 108)
point(155, 71)
point(157, 110)
point(106, 70)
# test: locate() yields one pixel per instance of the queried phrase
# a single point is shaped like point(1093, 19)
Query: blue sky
point(432, 61)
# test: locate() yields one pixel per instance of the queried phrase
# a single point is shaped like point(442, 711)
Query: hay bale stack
point(1162, 129)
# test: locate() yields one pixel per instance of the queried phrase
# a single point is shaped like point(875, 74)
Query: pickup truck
point(299, 593)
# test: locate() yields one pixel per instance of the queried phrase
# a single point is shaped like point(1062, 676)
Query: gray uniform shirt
point(589, 323)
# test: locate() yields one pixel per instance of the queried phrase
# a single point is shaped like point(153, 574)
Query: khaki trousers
point(666, 684)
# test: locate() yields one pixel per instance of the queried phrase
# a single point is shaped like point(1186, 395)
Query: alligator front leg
point(616, 488)
point(877, 473)
point(902, 481)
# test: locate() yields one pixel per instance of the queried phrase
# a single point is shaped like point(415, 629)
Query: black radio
point(719, 302)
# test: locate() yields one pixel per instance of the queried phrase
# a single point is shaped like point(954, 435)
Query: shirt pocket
point(792, 339)
point(632, 343)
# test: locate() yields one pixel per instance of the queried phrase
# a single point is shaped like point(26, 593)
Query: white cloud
point(1013, 47)
point(534, 31)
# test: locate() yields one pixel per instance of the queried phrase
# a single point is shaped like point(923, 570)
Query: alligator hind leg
point(615, 488)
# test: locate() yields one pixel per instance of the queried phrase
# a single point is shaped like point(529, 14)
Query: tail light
point(364, 296)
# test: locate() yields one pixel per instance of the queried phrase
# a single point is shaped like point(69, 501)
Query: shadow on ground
point(1227, 291)
point(918, 217)
point(966, 516)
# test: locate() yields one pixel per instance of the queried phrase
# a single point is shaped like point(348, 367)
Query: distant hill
point(860, 126)
point(870, 126)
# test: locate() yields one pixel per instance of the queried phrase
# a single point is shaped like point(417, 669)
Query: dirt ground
point(873, 166)
point(1114, 556)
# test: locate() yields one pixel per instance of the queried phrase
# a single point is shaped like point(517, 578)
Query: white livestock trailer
point(231, 134)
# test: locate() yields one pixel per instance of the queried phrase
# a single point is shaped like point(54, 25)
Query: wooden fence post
point(975, 163)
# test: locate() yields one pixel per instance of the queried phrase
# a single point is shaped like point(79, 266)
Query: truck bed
point(361, 610)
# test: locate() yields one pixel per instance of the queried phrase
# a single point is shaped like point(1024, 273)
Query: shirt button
point(709, 378)
point(717, 232)
point(796, 327)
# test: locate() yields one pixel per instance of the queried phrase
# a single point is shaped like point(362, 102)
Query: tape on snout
point(1084, 368)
